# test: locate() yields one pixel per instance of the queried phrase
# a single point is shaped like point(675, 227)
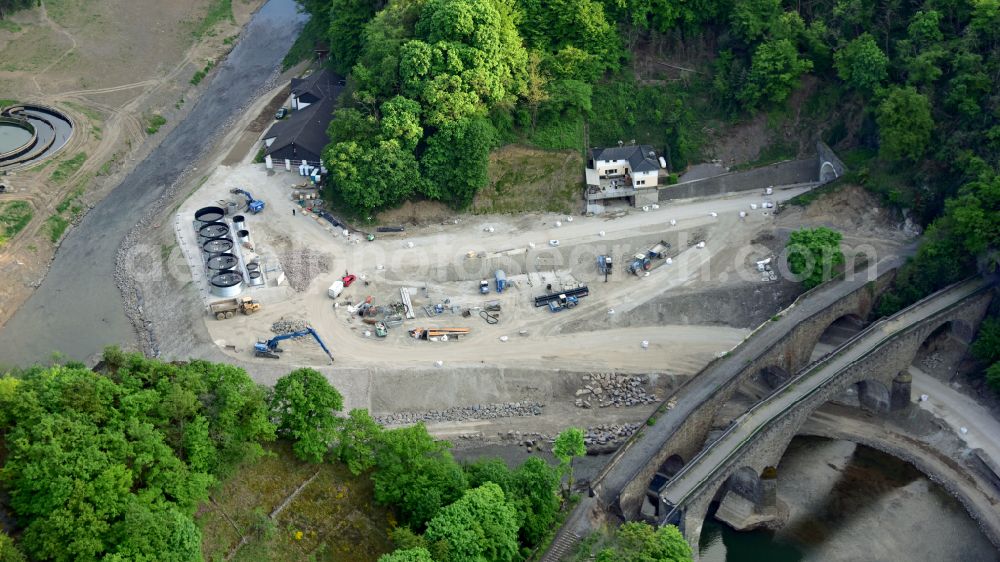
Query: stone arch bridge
point(770, 354)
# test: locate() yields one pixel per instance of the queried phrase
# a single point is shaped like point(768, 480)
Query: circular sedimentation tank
point(31, 133)
point(243, 235)
point(209, 214)
point(227, 283)
point(255, 278)
point(238, 220)
point(253, 266)
point(223, 262)
point(214, 230)
point(217, 246)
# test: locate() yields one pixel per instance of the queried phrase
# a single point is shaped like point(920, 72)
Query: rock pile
point(464, 413)
point(287, 326)
point(611, 389)
point(609, 434)
point(301, 266)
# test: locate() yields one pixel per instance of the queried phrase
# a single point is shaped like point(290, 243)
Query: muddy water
point(851, 503)
point(77, 309)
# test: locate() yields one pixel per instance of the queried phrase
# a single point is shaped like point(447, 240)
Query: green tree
point(993, 376)
point(358, 440)
point(481, 526)
point(862, 64)
point(639, 542)
point(774, 72)
point(9, 551)
point(813, 254)
point(568, 445)
point(370, 177)
point(416, 474)
point(304, 403)
point(532, 489)
point(750, 19)
point(456, 161)
point(401, 122)
point(407, 555)
point(346, 18)
point(986, 348)
point(905, 124)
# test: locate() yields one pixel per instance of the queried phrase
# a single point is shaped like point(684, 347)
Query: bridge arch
point(837, 332)
point(774, 376)
point(827, 172)
point(672, 465)
point(873, 396)
point(745, 481)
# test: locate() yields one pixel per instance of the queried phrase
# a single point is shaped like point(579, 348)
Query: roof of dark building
point(318, 85)
point(304, 129)
point(641, 158)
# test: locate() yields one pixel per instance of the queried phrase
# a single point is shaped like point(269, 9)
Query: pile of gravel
point(287, 326)
point(611, 389)
point(302, 266)
point(598, 439)
point(609, 434)
point(464, 413)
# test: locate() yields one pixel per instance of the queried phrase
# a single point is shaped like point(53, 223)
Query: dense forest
point(9, 6)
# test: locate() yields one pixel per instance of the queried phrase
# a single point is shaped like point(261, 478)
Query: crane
point(253, 205)
point(270, 349)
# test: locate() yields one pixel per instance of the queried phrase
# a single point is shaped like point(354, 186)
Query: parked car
point(348, 279)
point(281, 113)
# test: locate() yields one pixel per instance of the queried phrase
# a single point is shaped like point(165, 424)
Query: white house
point(627, 171)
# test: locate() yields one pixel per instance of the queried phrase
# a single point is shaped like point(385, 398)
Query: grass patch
point(154, 123)
point(218, 11)
point(14, 216)
point(56, 226)
point(805, 199)
point(201, 74)
point(7, 25)
point(90, 112)
point(6, 102)
point(559, 134)
point(69, 201)
point(525, 179)
point(67, 168)
point(335, 513)
point(302, 48)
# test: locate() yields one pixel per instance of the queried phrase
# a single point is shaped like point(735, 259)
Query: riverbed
point(77, 310)
point(851, 503)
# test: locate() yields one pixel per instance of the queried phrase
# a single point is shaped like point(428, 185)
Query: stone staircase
point(562, 546)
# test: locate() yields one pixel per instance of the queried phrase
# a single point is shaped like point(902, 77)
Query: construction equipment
point(563, 302)
point(380, 329)
point(270, 349)
point(253, 205)
point(444, 333)
point(501, 279)
point(605, 266)
point(229, 307)
point(484, 287)
point(578, 293)
point(643, 262)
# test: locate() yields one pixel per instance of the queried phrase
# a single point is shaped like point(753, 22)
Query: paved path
point(958, 411)
point(701, 469)
point(77, 309)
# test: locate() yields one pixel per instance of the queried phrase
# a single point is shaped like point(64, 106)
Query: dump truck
point(563, 302)
point(229, 307)
point(484, 287)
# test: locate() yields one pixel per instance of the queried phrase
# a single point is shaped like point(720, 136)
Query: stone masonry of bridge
point(891, 358)
point(784, 345)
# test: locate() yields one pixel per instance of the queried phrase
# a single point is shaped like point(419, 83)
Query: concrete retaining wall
point(782, 173)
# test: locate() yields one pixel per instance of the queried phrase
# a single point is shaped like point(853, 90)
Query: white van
point(335, 289)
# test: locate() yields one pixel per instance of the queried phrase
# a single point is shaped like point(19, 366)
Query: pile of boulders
point(611, 389)
point(287, 326)
point(609, 434)
point(464, 413)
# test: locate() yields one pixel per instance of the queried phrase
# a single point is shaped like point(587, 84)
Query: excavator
point(253, 205)
point(270, 349)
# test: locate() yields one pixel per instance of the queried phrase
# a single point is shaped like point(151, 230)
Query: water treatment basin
point(31, 133)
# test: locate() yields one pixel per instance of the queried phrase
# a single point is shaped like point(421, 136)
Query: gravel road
point(78, 307)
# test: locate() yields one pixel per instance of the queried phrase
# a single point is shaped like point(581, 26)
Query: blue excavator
point(253, 205)
point(270, 349)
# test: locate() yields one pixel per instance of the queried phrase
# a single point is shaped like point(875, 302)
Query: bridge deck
point(700, 470)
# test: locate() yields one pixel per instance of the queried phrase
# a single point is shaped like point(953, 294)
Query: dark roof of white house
point(305, 128)
point(641, 158)
point(318, 85)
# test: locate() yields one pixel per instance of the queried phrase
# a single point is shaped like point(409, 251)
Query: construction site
point(515, 318)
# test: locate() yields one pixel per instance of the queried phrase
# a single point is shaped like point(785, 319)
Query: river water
point(848, 502)
point(77, 310)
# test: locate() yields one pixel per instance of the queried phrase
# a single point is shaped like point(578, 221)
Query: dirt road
point(77, 309)
point(959, 411)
